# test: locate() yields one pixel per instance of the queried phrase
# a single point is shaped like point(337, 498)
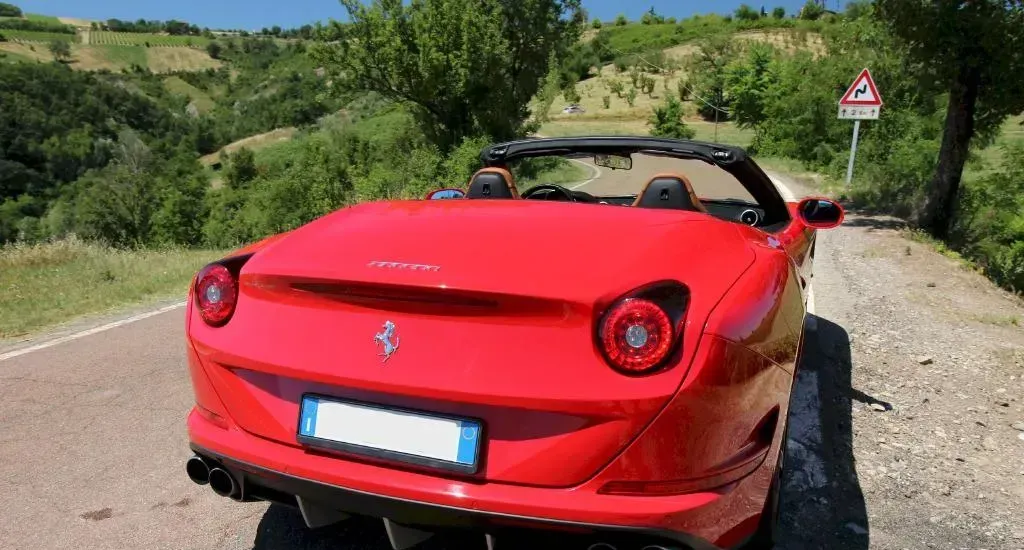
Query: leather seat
point(671, 191)
point(492, 183)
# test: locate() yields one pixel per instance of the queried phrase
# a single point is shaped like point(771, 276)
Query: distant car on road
point(616, 369)
point(573, 109)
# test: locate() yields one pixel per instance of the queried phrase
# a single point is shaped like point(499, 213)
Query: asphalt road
point(93, 446)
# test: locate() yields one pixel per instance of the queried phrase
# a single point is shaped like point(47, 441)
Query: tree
point(964, 49)
point(748, 82)
point(779, 12)
point(9, 10)
point(651, 17)
point(620, 20)
point(667, 120)
point(214, 49)
point(61, 50)
point(596, 23)
point(811, 11)
point(746, 13)
point(464, 67)
point(708, 69)
point(241, 168)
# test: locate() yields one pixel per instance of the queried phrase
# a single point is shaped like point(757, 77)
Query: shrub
point(747, 13)
point(811, 11)
point(606, 101)
point(596, 23)
point(667, 120)
point(620, 20)
point(631, 96)
point(779, 12)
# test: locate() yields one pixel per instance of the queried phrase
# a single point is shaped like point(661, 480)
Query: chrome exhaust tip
point(197, 470)
point(222, 483)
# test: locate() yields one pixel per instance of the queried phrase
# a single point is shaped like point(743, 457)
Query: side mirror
point(820, 213)
point(446, 194)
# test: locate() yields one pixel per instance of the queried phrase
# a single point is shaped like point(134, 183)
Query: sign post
point(860, 102)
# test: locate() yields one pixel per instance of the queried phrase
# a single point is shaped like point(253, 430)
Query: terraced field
point(148, 40)
point(20, 36)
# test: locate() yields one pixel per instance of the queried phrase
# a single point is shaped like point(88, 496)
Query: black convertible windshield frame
point(733, 160)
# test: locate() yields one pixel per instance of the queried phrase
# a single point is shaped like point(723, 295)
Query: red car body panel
point(502, 329)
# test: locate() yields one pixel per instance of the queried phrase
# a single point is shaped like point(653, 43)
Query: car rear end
point(348, 369)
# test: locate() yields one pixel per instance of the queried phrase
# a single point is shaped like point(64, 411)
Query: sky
point(256, 14)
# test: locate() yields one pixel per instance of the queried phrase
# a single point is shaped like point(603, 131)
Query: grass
point(42, 18)
point(37, 36)
point(122, 56)
point(45, 284)
point(923, 237)
point(169, 60)
point(991, 158)
point(254, 143)
point(12, 57)
point(176, 85)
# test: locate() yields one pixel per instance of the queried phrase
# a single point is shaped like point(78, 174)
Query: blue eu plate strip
point(308, 425)
point(469, 436)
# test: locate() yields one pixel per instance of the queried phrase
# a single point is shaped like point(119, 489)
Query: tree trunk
point(940, 208)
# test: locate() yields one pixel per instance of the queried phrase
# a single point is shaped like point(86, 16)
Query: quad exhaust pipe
point(220, 480)
point(197, 470)
point(222, 483)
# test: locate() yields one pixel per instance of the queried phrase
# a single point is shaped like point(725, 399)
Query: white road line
point(89, 332)
point(597, 174)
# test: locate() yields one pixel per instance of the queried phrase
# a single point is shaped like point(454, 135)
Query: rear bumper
point(275, 472)
point(263, 484)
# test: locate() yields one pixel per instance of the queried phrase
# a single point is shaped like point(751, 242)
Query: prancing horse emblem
point(384, 341)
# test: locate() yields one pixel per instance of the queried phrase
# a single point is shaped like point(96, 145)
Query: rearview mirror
point(820, 213)
point(615, 162)
point(451, 193)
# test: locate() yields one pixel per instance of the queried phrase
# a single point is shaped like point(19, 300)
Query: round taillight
point(636, 335)
point(216, 294)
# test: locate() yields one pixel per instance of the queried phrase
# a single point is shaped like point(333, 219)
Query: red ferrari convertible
point(607, 362)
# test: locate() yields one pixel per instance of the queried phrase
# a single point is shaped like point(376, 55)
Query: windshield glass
point(581, 174)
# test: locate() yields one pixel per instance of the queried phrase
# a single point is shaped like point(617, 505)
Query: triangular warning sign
point(863, 92)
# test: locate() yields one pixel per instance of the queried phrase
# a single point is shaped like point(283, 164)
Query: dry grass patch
point(37, 52)
point(164, 60)
point(254, 143)
point(75, 22)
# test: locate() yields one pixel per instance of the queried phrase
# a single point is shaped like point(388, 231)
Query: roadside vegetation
point(47, 283)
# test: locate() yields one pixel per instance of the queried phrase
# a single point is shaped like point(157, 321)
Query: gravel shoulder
point(906, 426)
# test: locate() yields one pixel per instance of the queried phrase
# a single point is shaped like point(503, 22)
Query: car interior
point(666, 190)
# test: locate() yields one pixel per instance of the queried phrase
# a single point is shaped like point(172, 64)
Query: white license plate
point(382, 432)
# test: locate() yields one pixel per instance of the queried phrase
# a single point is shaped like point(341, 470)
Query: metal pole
point(853, 151)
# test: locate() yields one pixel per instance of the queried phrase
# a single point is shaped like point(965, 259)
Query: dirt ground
point(908, 417)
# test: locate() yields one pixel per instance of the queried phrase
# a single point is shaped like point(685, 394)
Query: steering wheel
point(552, 190)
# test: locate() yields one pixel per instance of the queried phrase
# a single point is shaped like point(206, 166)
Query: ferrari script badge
point(387, 341)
